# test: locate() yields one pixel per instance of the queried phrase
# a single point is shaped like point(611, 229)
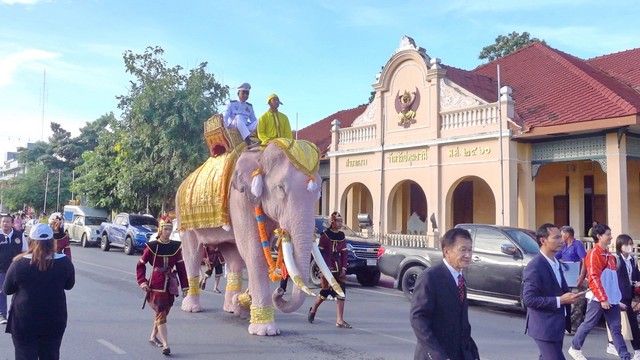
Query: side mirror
point(508, 249)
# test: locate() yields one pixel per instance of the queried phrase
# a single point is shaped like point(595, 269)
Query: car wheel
point(368, 278)
point(83, 242)
point(314, 273)
point(128, 246)
point(104, 242)
point(409, 280)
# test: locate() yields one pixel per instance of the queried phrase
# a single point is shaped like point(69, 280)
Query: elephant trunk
point(301, 258)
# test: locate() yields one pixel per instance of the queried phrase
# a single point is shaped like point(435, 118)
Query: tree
point(505, 45)
point(159, 139)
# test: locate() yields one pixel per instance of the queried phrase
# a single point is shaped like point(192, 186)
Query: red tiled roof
point(551, 87)
point(482, 86)
point(624, 65)
point(319, 132)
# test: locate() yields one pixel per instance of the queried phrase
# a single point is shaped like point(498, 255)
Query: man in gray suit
point(439, 306)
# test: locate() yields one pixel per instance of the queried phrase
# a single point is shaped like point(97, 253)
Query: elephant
point(284, 187)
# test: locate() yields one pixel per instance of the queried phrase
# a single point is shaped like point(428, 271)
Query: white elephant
point(281, 181)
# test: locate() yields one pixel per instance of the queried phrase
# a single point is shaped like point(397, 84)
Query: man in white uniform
point(239, 114)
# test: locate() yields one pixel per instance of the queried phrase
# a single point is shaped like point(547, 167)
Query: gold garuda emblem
point(406, 106)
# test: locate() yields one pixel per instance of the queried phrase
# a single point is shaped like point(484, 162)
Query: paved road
point(105, 322)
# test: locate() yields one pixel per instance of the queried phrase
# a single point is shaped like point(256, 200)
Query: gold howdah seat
point(219, 138)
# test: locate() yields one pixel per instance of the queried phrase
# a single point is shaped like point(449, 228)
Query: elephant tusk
point(287, 254)
point(322, 265)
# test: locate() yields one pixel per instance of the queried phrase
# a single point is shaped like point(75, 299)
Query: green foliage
point(28, 189)
point(159, 140)
point(505, 45)
point(119, 163)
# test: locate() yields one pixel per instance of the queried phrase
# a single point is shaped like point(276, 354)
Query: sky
point(61, 60)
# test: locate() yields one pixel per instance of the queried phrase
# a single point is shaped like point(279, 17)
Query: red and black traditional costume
point(165, 258)
point(334, 251)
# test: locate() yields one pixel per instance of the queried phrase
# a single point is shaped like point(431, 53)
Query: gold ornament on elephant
point(234, 281)
point(261, 315)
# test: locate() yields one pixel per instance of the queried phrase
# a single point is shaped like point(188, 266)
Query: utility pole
point(46, 189)
point(58, 200)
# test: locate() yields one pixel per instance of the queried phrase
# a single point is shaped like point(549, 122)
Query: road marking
point(387, 293)
point(111, 347)
point(104, 267)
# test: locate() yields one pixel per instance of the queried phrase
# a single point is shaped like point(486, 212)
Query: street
point(106, 322)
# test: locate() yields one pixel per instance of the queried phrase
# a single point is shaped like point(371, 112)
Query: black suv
point(362, 254)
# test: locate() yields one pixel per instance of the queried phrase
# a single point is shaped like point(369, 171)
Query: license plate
point(372, 262)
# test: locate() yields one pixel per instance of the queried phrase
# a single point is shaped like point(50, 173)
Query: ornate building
point(561, 143)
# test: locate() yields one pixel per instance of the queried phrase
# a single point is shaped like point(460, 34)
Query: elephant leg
point(192, 256)
point(262, 320)
point(235, 266)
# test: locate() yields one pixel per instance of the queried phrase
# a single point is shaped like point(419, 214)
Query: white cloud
point(11, 63)
point(22, 2)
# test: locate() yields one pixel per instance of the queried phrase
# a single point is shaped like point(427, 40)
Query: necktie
point(461, 287)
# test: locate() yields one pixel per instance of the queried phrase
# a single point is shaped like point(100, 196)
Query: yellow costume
point(273, 125)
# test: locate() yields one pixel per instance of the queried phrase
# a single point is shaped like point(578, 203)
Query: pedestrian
point(37, 280)
point(239, 114)
point(273, 124)
point(165, 257)
point(11, 244)
point(547, 296)
point(63, 244)
point(214, 261)
point(334, 252)
point(573, 253)
point(590, 232)
point(629, 282)
point(439, 308)
point(18, 222)
point(603, 297)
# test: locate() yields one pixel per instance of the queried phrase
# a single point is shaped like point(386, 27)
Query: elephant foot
point(191, 303)
point(238, 309)
point(228, 301)
point(267, 329)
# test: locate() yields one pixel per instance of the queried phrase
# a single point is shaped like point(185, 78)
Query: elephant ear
point(242, 175)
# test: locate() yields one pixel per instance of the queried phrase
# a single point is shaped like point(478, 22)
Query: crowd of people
point(605, 286)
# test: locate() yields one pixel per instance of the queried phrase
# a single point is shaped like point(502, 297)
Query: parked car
point(82, 224)
point(127, 231)
point(362, 255)
point(500, 254)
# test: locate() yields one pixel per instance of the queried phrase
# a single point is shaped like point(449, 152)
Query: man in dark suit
point(547, 296)
point(439, 308)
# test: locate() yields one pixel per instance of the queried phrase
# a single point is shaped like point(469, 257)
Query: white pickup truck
point(82, 224)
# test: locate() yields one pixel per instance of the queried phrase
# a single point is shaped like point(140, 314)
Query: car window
point(143, 220)
point(94, 221)
point(119, 220)
point(489, 241)
point(526, 240)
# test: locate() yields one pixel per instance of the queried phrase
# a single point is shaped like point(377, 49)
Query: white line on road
point(105, 267)
point(111, 347)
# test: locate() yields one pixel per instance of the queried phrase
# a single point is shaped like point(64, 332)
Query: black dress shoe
point(311, 316)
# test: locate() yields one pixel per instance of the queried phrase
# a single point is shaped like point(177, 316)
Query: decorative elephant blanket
point(304, 155)
point(204, 194)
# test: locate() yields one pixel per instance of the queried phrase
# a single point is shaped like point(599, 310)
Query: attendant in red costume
point(165, 257)
point(334, 251)
point(61, 238)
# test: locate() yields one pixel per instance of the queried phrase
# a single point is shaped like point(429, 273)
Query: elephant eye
point(281, 191)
